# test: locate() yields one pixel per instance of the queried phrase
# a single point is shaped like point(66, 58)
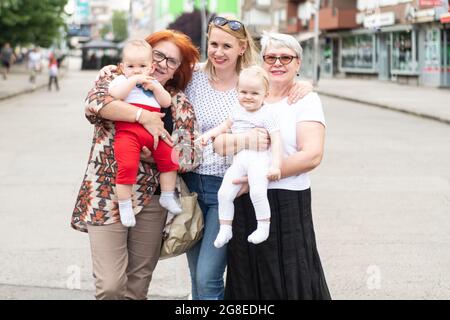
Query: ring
point(163, 136)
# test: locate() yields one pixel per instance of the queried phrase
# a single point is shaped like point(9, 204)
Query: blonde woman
point(212, 91)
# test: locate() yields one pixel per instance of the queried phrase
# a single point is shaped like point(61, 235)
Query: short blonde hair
point(256, 71)
point(250, 56)
point(137, 44)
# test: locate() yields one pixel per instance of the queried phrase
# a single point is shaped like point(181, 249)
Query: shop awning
point(399, 27)
point(306, 36)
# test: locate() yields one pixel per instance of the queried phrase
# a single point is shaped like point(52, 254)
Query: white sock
point(167, 200)
point(261, 233)
point(224, 235)
point(126, 213)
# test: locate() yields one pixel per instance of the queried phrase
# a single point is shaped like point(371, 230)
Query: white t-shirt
point(137, 95)
point(244, 121)
point(34, 60)
point(211, 107)
point(307, 109)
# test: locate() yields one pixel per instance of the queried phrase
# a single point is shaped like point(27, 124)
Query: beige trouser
point(124, 258)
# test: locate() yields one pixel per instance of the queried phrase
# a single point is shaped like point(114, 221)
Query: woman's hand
point(244, 188)
point(106, 71)
point(149, 83)
point(299, 90)
point(274, 174)
point(152, 122)
point(203, 139)
point(258, 140)
point(146, 155)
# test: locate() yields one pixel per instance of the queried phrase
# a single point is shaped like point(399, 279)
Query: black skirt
point(285, 266)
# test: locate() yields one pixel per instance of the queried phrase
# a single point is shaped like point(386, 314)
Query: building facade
point(398, 40)
point(407, 41)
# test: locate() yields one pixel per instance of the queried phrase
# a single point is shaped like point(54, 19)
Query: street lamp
point(316, 60)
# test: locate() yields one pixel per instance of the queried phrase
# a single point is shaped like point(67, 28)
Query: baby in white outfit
point(259, 166)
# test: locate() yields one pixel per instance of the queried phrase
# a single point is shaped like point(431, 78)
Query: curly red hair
point(189, 53)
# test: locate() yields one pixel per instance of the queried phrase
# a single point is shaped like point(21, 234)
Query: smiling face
point(162, 73)
point(279, 73)
point(251, 91)
point(224, 49)
point(137, 61)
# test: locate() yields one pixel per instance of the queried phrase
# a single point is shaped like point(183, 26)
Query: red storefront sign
point(434, 3)
point(445, 18)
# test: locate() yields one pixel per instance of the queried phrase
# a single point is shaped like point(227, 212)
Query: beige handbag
point(183, 230)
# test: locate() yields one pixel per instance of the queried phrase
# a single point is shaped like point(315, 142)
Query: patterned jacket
point(96, 203)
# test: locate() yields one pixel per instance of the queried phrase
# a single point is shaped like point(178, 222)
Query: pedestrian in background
point(7, 57)
point(34, 64)
point(53, 72)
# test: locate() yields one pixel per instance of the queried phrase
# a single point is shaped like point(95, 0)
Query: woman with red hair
point(124, 258)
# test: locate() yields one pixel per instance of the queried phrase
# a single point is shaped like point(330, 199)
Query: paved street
point(381, 202)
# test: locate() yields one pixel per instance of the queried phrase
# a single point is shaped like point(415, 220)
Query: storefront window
point(358, 52)
point(432, 47)
point(403, 53)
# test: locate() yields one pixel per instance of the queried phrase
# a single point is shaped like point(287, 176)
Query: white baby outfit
point(254, 164)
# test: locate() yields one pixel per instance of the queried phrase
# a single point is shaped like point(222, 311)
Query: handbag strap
point(182, 187)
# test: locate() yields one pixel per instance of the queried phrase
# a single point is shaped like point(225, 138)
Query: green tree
point(105, 30)
point(120, 25)
point(25, 22)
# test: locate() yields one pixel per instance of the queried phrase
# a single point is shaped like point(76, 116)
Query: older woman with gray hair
point(287, 265)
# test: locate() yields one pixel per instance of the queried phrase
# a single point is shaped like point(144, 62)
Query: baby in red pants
point(137, 65)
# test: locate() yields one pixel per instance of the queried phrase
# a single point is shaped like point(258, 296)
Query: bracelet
point(138, 114)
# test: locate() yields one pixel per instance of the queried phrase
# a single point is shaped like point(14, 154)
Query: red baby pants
point(128, 143)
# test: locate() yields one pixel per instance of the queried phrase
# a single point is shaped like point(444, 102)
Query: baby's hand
point(149, 83)
point(203, 139)
point(274, 174)
point(139, 78)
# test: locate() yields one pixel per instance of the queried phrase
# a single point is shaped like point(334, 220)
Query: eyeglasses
point(170, 62)
point(233, 24)
point(284, 59)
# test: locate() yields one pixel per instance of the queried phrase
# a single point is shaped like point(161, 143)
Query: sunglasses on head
point(233, 24)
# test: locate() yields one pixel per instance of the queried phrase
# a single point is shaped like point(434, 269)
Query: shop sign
point(379, 20)
point(426, 15)
point(445, 18)
point(435, 69)
point(434, 3)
